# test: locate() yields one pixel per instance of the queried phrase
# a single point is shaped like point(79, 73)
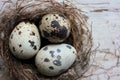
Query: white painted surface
point(104, 16)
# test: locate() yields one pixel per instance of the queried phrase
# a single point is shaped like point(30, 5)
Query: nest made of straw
point(80, 37)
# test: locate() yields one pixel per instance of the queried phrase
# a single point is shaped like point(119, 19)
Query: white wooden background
point(104, 16)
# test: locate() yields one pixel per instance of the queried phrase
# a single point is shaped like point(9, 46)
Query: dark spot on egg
point(60, 33)
point(51, 68)
point(20, 45)
point(46, 34)
point(46, 60)
point(68, 46)
point(14, 49)
point(32, 33)
point(19, 32)
point(46, 18)
point(45, 48)
point(35, 48)
point(47, 26)
point(52, 53)
point(31, 43)
point(58, 50)
point(73, 52)
point(62, 16)
point(56, 17)
point(55, 24)
point(58, 57)
point(17, 28)
point(57, 62)
point(63, 32)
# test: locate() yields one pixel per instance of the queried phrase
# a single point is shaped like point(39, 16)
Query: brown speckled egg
point(55, 27)
point(24, 41)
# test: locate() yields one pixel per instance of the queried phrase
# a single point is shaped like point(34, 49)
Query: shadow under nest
point(80, 38)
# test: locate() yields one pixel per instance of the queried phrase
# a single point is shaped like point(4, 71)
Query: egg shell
point(55, 59)
point(24, 41)
point(55, 27)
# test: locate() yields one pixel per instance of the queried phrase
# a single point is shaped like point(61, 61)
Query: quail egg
point(55, 27)
point(24, 41)
point(55, 59)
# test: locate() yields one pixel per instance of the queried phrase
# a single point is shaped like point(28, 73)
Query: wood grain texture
point(104, 18)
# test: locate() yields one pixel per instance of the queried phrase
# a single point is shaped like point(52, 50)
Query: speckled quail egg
point(55, 27)
point(55, 59)
point(24, 41)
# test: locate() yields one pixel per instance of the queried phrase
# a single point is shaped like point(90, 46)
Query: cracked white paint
point(104, 15)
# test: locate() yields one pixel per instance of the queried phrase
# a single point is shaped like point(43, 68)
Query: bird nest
point(33, 11)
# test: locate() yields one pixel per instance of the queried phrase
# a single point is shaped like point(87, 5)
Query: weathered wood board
point(104, 16)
